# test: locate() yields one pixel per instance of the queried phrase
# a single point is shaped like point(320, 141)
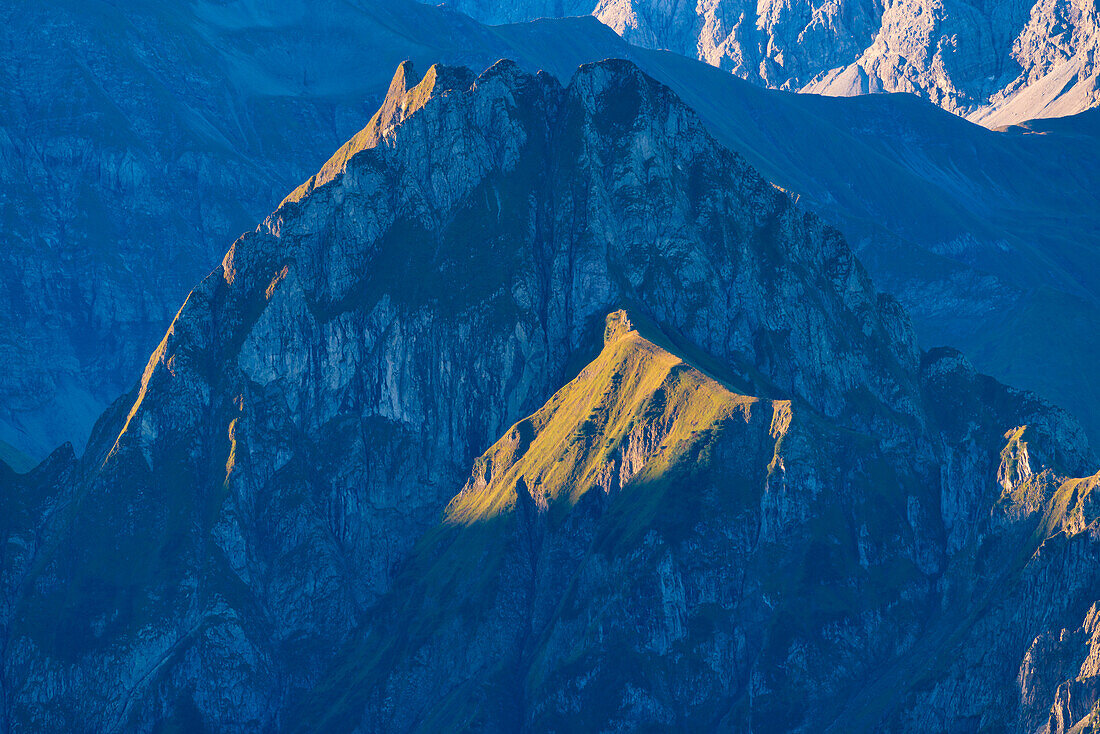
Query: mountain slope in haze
point(270, 531)
point(996, 64)
point(137, 141)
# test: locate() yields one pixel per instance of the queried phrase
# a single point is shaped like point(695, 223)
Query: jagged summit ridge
point(403, 98)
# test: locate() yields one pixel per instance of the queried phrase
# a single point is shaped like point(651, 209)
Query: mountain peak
point(637, 408)
point(616, 324)
point(408, 94)
point(405, 96)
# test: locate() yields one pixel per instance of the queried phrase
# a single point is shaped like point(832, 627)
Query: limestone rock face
point(380, 474)
point(999, 63)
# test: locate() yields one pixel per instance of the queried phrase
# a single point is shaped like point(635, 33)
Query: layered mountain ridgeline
point(999, 63)
point(757, 505)
point(136, 141)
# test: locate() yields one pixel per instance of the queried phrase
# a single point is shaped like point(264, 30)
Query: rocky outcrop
point(759, 472)
point(997, 65)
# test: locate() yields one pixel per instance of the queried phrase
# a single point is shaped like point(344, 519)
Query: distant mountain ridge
point(997, 64)
point(543, 407)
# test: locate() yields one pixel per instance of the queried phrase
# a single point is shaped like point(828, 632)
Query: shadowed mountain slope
point(268, 532)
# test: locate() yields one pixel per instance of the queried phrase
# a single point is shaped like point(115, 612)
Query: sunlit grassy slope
point(634, 412)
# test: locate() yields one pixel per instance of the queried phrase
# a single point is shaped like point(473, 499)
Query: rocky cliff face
point(998, 64)
point(753, 505)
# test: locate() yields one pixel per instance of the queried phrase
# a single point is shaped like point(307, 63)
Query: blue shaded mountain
point(537, 408)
